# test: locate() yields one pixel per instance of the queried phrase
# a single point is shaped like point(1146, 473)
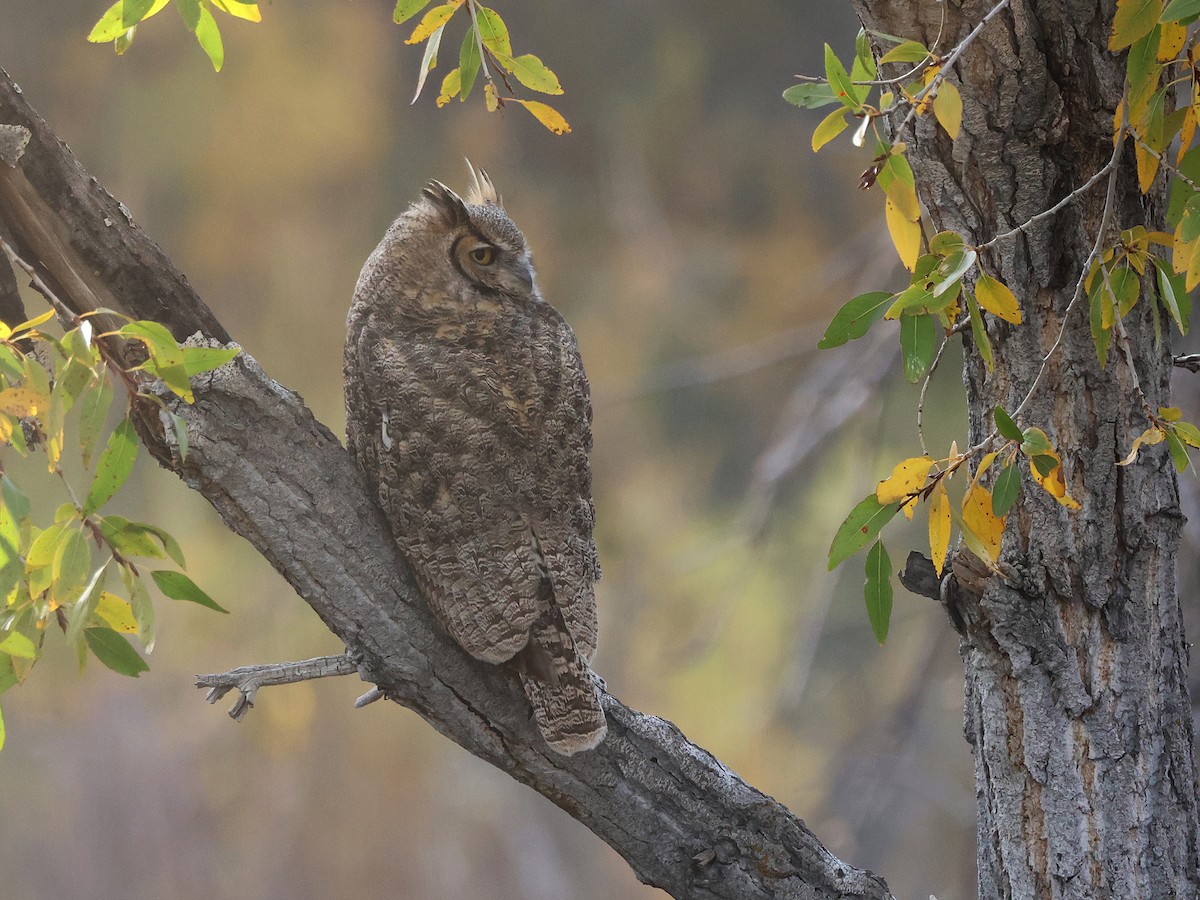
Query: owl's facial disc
point(493, 267)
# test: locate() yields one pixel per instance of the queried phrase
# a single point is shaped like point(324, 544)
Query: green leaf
point(16, 644)
point(93, 409)
point(810, 95)
point(1134, 19)
point(1177, 10)
point(1126, 287)
point(860, 528)
point(1188, 433)
point(1045, 464)
point(1171, 291)
point(429, 60)
point(12, 567)
point(1101, 336)
point(1006, 426)
point(839, 80)
point(72, 564)
point(114, 651)
point(45, 547)
point(863, 67)
point(531, 72)
point(113, 467)
point(166, 356)
point(134, 11)
point(198, 360)
point(190, 10)
point(130, 538)
point(493, 32)
point(208, 34)
point(918, 343)
point(855, 318)
point(468, 62)
point(110, 26)
point(178, 586)
point(1034, 442)
point(1179, 454)
point(406, 9)
point(179, 429)
point(14, 498)
point(1006, 490)
point(878, 590)
point(906, 52)
point(143, 609)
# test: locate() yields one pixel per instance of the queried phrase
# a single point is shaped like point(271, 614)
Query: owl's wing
point(564, 516)
point(428, 432)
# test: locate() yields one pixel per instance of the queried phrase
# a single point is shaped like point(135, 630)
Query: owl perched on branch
point(468, 411)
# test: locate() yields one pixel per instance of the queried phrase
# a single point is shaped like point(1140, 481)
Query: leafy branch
point(486, 41)
point(58, 574)
point(949, 287)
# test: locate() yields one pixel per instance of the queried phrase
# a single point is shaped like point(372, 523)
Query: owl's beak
point(524, 274)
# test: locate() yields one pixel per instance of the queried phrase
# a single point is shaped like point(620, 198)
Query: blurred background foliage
point(699, 249)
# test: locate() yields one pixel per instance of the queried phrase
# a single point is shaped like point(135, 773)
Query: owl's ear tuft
point(447, 203)
point(482, 189)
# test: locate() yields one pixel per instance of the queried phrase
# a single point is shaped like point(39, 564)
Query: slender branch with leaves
point(949, 289)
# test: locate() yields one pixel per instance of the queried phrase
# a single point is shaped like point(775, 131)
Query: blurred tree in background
point(699, 250)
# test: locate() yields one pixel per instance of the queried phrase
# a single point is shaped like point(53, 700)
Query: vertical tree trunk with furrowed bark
point(1075, 659)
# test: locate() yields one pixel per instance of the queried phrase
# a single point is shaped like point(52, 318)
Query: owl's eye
point(484, 255)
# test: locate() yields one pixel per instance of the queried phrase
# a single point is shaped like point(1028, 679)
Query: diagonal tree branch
point(681, 819)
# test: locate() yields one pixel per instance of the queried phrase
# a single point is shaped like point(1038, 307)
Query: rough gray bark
point(1076, 696)
point(682, 820)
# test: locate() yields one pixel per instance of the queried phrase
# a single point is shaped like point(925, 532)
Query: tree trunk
point(1075, 658)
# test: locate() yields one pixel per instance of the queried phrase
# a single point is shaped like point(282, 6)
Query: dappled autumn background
point(698, 247)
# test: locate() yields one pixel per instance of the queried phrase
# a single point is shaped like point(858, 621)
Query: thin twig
point(1163, 162)
point(61, 309)
point(950, 60)
point(1071, 197)
point(479, 41)
point(1105, 221)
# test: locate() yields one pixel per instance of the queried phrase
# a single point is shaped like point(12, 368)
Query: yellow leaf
point(906, 234)
point(948, 107)
point(1147, 438)
point(996, 298)
point(242, 10)
point(831, 126)
point(1187, 131)
point(547, 115)
point(1134, 20)
point(117, 613)
point(1118, 120)
point(982, 522)
point(939, 525)
point(1170, 413)
point(1170, 41)
point(20, 402)
point(432, 21)
point(491, 99)
point(907, 478)
point(1147, 166)
point(985, 464)
point(34, 322)
point(451, 85)
point(1053, 484)
point(6, 429)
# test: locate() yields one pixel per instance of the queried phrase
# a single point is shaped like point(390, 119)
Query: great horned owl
point(468, 410)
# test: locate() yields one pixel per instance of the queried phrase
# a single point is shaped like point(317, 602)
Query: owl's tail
point(561, 688)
